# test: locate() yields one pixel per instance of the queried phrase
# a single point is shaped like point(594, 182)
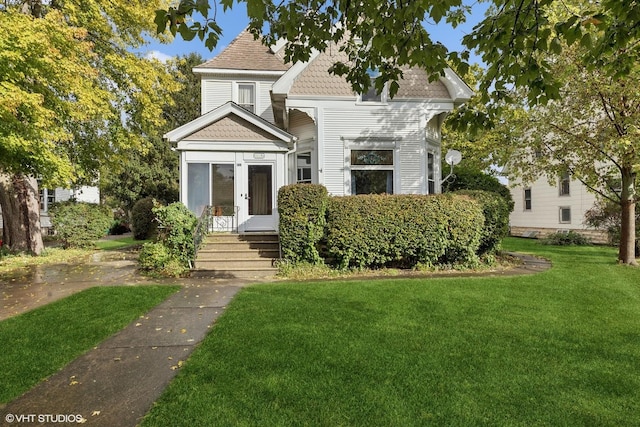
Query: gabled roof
point(312, 78)
point(246, 53)
point(229, 122)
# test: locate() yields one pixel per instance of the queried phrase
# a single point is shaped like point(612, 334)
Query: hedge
point(302, 209)
point(496, 212)
point(80, 224)
point(403, 230)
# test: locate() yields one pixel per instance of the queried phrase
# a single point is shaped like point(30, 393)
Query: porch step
point(227, 255)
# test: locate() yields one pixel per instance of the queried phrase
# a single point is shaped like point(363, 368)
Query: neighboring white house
point(266, 124)
point(541, 209)
point(87, 194)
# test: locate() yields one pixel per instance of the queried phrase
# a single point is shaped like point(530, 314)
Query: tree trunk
point(20, 204)
point(627, 249)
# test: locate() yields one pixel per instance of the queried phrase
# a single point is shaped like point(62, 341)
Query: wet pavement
point(38, 285)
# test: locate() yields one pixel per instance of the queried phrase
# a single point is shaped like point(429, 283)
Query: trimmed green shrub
point(302, 209)
point(403, 230)
point(80, 224)
point(496, 218)
point(143, 221)
point(468, 178)
point(566, 239)
point(176, 224)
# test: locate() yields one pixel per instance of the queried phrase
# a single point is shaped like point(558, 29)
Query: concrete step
point(216, 253)
point(227, 255)
point(230, 264)
point(254, 273)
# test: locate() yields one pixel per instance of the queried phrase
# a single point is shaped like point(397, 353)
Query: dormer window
point(247, 96)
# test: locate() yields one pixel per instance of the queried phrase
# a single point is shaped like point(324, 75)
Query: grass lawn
point(556, 348)
point(123, 242)
point(38, 343)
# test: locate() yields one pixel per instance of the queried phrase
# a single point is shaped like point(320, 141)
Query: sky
point(235, 20)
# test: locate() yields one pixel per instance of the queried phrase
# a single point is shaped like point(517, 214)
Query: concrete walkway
point(116, 383)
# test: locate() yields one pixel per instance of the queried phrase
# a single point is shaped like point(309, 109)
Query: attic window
point(247, 96)
point(371, 95)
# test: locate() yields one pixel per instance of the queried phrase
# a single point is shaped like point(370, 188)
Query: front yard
point(557, 348)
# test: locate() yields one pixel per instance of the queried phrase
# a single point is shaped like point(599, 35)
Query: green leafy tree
point(73, 97)
point(590, 132)
point(387, 35)
point(154, 173)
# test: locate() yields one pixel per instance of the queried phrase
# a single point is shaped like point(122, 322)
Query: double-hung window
point(247, 96)
point(372, 171)
point(303, 161)
point(565, 184)
point(527, 199)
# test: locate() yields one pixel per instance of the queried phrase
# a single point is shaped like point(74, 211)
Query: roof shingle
point(246, 53)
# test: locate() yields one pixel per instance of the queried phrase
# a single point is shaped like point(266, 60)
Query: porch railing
point(212, 219)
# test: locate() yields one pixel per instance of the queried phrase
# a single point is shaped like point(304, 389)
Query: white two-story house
point(265, 124)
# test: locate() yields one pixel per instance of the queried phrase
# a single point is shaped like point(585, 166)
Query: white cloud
point(156, 54)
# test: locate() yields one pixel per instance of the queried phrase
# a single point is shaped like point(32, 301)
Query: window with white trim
point(371, 95)
point(372, 171)
point(47, 197)
point(303, 166)
point(565, 215)
point(247, 96)
point(565, 184)
point(527, 199)
point(431, 173)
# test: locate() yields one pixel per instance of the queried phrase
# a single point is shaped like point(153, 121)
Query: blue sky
point(235, 20)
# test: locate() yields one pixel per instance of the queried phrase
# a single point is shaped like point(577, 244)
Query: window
point(431, 173)
point(371, 171)
point(371, 95)
point(47, 197)
point(303, 165)
point(527, 199)
point(247, 96)
point(565, 215)
point(198, 191)
point(565, 184)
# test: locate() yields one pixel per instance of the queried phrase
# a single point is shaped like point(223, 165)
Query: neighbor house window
point(371, 171)
point(565, 215)
point(247, 96)
point(431, 173)
point(527, 199)
point(303, 166)
point(47, 197)
point(565, 181)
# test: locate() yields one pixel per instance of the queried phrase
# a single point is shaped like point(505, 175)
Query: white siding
point(546, 202)
point(215, 93)
point(395, 124)
point(265, 111)
point(218, 91)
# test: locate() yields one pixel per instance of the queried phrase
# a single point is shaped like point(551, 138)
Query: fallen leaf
point(138, 324)
point(94, 413)
point(183, 331)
